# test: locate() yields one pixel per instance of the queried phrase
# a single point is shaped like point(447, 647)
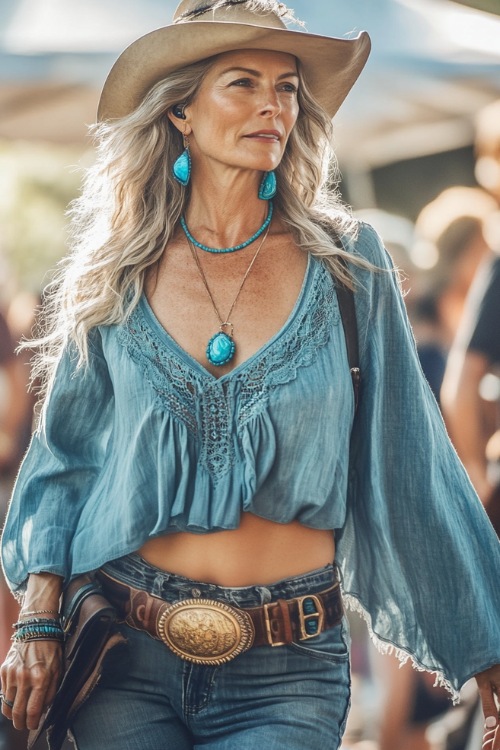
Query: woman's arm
point(488, 683)
point(64, 460)
point(31, 671)
point(416, 551)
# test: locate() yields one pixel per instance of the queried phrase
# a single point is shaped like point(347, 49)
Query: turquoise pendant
point(182, 168)
point(220, 349)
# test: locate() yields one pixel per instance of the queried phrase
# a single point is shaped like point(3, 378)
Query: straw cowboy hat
point(203, 28)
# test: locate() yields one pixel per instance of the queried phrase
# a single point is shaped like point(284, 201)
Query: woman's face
point(245, 110)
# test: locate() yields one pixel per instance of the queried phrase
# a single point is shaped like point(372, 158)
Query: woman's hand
point(30, 677)
point(488, 683)
point(32, 669)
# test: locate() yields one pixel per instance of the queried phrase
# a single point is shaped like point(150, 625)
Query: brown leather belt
point(211, 632)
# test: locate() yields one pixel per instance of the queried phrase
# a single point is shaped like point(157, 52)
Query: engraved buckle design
point(204, 631)
point(305, 617)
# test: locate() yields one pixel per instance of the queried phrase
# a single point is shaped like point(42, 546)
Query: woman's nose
point(270, 104)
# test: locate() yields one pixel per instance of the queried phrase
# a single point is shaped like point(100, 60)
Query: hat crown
point(228, 11)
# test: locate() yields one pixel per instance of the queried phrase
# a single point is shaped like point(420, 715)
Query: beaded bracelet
point(37, 621)
point(35, 632)
point(37, 628)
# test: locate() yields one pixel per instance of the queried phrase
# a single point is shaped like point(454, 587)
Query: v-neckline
point(194, 363)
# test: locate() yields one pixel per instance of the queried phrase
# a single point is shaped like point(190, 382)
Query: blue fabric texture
point(146, 442)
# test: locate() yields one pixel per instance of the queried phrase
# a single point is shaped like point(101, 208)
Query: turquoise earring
point(182, 166)
point(267, 188)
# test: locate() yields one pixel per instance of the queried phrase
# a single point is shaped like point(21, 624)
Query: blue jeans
point(291, 697)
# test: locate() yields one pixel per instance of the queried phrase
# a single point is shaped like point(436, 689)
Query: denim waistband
point(135, 571)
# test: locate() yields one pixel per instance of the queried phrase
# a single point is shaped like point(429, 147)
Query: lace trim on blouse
point(207, 406)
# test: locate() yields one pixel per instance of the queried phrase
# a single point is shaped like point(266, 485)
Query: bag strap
point(345, 297)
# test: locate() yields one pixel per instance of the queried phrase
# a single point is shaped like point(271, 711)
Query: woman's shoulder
point(363, 241)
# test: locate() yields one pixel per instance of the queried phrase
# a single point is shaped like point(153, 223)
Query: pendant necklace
point(221, 347)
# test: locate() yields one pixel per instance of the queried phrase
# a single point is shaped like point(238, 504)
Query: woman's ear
point(178, 117)
point(178, 111)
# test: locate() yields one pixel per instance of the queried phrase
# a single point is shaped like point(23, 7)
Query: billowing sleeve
point(62, 464)
point(418, 555)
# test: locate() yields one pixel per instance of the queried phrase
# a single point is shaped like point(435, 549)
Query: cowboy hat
point(331, 66)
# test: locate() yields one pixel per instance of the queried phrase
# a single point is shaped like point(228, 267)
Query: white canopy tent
point(434, 64)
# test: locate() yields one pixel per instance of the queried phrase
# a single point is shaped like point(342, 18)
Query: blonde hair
point(130, 206)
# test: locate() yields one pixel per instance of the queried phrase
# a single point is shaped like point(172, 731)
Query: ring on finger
point(8, 703)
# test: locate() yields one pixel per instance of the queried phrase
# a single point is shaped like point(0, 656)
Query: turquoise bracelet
point(37, 631)
point(37, 621)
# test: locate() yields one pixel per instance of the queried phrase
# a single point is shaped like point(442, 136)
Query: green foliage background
point(37, 182)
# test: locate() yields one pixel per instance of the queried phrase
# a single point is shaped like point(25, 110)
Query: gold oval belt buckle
point(208, 632)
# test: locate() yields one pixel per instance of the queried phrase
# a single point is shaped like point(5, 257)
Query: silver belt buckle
point(204, 631)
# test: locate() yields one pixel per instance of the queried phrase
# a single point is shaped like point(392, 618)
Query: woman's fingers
point(7, 691)
point(488, 684)
point(8, 703)
point(19, 709)
point(491, 739)
point(30, 677)
point(35, 707)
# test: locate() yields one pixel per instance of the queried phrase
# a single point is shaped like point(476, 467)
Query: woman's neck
point(223, 216)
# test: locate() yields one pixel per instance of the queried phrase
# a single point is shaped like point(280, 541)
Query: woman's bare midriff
point(258, 552)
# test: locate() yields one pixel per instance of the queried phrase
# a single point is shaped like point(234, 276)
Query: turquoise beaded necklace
point(235, 247)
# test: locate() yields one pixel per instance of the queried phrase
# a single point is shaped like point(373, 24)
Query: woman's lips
point(268, 136)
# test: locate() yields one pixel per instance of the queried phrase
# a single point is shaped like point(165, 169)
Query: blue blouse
point(145, 442)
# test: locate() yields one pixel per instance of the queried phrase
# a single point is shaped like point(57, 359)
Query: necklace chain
point(205, 282)
point(241, 246)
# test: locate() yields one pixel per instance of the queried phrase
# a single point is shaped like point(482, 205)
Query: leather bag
point(92, 644)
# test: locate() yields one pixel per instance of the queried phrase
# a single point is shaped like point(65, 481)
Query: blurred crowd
point(449, 261)
point(450, 273)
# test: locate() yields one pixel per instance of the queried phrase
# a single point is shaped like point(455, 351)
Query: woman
point(199, 454)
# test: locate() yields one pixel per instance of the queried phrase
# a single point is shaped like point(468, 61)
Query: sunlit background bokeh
point(404, 134)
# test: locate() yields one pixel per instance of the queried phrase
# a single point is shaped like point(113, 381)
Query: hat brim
point(331, 66)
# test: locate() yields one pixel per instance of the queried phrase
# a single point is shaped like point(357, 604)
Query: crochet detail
point(298, 347)
point(206, 405)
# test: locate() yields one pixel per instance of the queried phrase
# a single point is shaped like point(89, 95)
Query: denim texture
point(145, 442)
point(283, 698)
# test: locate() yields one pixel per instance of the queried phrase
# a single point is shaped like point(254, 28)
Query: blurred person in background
point(476, 350)
point(450, 238)
point(192, 471)
point(472, 413)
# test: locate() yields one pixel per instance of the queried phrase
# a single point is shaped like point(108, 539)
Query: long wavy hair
point(130, 205)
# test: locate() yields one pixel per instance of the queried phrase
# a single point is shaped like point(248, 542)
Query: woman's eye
point(242, 82)
point(290, 88)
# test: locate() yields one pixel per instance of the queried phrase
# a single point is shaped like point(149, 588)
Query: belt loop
point(287, 623)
